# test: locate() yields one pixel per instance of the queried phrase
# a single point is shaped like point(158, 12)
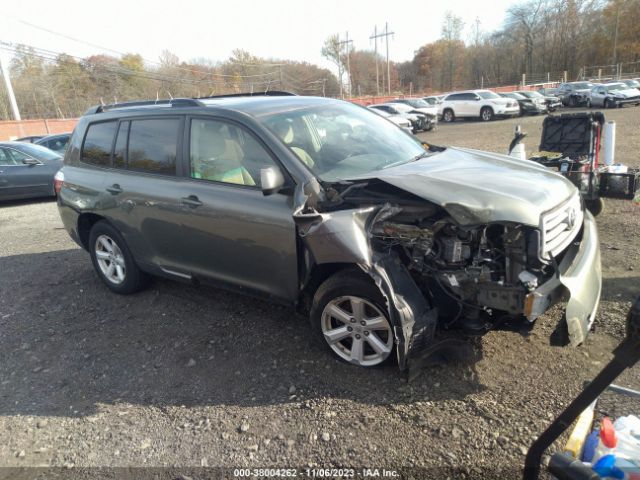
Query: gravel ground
point(183, 377)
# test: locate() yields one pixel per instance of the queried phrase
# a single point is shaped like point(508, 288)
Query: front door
point(20, 180)
point(231, 232)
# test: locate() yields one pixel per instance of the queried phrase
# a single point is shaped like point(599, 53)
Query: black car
point(575, 94)
point(528, 106)
point(552, 102)
point(57, 143)
point(27, 170)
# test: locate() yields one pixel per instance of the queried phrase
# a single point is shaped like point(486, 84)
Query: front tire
point(113, 261)
point(595, 206)
point(349, 316)
point(448, 115)
point(486, 114)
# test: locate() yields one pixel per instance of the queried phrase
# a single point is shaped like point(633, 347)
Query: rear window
point(96, 149)
point(153, 145)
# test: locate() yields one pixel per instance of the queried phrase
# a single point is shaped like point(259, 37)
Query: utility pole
point(374, 37)
point(385, 34)
point(340, 65)
point(7, 83)
point(615, 35)
point(346, 42)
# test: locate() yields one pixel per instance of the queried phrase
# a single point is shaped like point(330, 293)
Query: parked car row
point(422, 116)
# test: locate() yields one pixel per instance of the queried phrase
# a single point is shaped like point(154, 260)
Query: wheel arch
point(86, 221)
point(317, 275)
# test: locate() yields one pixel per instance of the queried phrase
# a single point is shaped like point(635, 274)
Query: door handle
point(114, 189)
point(191, 201)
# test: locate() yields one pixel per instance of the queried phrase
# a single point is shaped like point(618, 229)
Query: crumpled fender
point(343, 237)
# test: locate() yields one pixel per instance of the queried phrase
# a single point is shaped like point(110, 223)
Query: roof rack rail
point(174, 102)
point(269, 93)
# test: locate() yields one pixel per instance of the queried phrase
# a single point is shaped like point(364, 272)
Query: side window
point(153, 145)
point(5, 158)
point(18, 157)
point(455, 97)
point(120, 150)
point(224, 152)
point(96, 149)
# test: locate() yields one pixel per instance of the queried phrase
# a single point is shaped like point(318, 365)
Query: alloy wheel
point(110, 259)
point(357, 330)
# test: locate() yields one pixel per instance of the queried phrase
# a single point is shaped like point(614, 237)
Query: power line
point(84, 42)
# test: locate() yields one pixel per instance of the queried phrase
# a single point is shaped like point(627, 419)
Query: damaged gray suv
point(393, 248)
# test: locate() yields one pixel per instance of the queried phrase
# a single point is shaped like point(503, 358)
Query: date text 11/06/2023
point(315, 473)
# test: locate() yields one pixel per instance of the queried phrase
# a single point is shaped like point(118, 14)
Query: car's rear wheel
point(448, 115)
point(486, 114)
point(113, 261)
point(608, 103)
point(348, 315)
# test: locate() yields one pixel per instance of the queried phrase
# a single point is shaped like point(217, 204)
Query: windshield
point(615, 86)
point(417, 103)
point(531, 94)
point(36, 151)
point(489, 95)
point(632, 83)
point(582, 85)
point(343, 141)
point(402, 107)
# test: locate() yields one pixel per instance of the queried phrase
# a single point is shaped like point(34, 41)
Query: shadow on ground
point(67, 344)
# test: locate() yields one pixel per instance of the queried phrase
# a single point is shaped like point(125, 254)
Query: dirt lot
point(182, 377)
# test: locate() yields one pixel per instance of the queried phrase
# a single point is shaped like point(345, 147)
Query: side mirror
point(271, 180)
point(31, 161)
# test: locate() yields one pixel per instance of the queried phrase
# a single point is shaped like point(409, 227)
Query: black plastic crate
point(619, 185)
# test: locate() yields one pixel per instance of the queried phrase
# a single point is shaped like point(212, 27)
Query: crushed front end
point(443, 279)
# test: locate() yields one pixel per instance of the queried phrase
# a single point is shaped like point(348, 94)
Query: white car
point(400, 121)
point(418, 120)
point(420, 106)
point(482, 104)
point(613, 95)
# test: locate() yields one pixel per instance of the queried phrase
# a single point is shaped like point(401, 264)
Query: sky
point(282, 29)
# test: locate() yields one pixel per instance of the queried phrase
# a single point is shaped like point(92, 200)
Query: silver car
point(612, 95)
point(389, 246)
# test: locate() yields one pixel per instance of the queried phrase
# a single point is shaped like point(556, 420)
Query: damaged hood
point(480, 187)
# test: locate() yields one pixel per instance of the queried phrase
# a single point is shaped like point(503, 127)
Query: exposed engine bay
point(475, 276)
point(457, 252)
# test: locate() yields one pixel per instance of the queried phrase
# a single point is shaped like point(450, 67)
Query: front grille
point(560, 226)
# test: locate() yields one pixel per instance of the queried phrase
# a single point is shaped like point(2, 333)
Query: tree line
point(51, 85)
point(542, 39)
point(546, 40)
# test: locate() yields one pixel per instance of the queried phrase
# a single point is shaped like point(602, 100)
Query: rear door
point(598, 95)
point(231, 232)
point(141, 188)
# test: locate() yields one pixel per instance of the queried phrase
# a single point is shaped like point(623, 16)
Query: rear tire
point(486, 114)
point(607, 103)
point(448, 115)
point(112, 260)
point(349, 316)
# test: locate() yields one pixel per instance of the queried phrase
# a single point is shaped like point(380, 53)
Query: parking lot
point(186, 376)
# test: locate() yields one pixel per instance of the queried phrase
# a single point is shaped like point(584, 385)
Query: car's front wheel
point(113, 261)
point(348, 315)
point(486, 114)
